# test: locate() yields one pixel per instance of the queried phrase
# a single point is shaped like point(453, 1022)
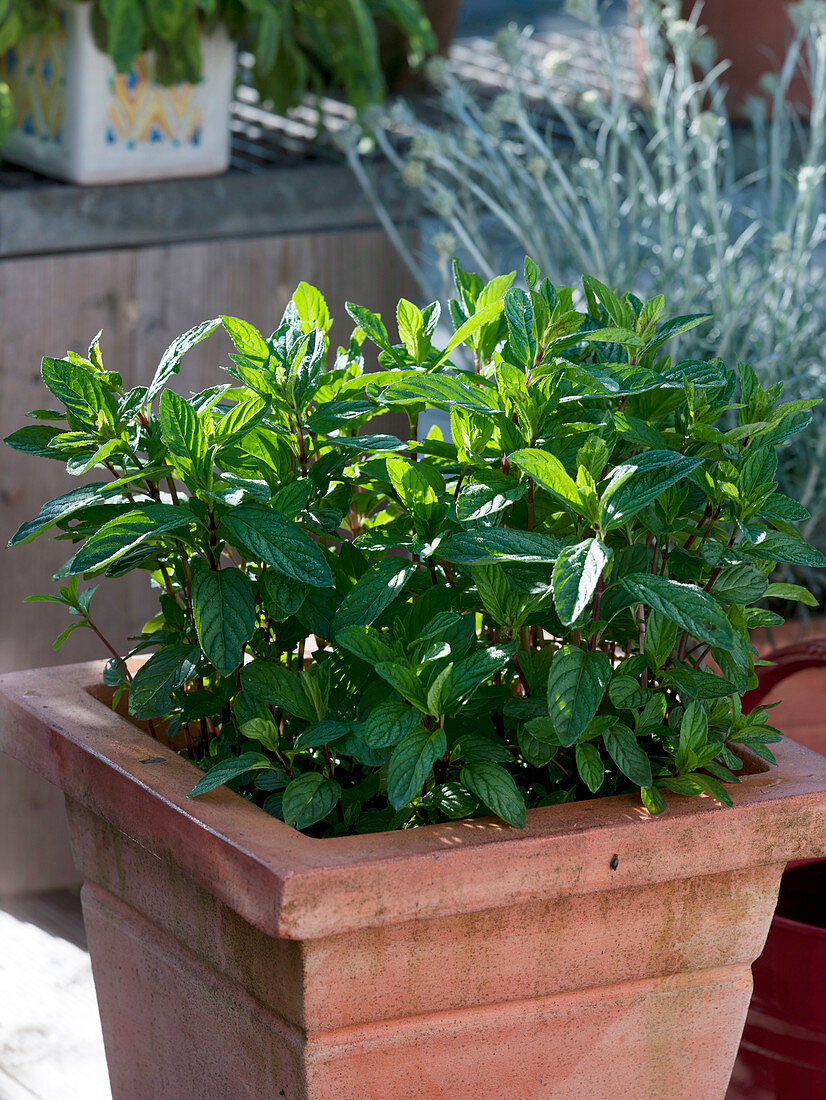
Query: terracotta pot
point(598, 952)
point(752, 34)
point(443, 16)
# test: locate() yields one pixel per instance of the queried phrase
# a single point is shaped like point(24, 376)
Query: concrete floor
point(51, 1047)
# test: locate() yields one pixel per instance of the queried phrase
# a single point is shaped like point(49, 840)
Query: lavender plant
point(646, 187)
point(360, 632)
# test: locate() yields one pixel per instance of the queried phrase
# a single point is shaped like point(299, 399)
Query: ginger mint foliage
point(360, 632)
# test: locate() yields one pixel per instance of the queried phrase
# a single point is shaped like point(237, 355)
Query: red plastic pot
point(783, 1052)
point(753, 35)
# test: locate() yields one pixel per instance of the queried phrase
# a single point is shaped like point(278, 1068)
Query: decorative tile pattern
point(144, 113)
point(139, 112)
point(36, 74)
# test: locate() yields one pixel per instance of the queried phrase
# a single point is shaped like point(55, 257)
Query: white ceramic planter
point(79, 120)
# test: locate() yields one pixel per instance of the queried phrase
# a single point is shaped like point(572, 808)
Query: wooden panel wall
point(142, 299)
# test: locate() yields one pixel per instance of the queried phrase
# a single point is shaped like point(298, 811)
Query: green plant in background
point(360, 632)
point(299, 46)
point(652, 187)
point(6, 111)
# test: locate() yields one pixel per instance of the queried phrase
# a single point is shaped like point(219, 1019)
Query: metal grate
point(262, 139)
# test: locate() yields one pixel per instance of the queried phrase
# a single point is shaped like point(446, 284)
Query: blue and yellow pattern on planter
point(140, 112)
point(35, 71)
point(144, 113)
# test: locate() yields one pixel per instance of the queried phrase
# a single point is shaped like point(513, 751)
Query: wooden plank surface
point(46, 218)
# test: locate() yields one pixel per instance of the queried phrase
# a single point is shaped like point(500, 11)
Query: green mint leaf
point(496, 789)
point(639, 481)
point(577, 681)
point(309, 799)
point(411, 764)
point(230, 769)
point(170, 362)
point(576, 574)
point(624, 750)
point(223, 603)
point(684, 604)
point(549, 473)
point(119, 536)
point(273, 683)
point(270, 538)
point(590, 766)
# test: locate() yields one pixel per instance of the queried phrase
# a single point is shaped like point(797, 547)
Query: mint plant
point(360, 632)
point(299, 46)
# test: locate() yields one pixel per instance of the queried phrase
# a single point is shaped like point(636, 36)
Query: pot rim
point(289, 884)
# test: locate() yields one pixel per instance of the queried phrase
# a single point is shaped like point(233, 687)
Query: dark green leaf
point(693, 683)
point(121, 535)
point(322, 733)
point(576, 574)
point(590, 766)
point(626, 692)
point(627, 755)
point(402, 677)
point(577, 682)
point(454, 800)
point(412, 762)
point(496, 789)
point(59, 508)
point(389, 722)
point(684, 604)
point(150, 693)
point(309, 799)
point(269, 537)
point(223, 603)
point(368, 644)
point(777, 546)
point(374, 591)
point(498, 544)
point(466, 675)
point(230, 769)
point(739, 584)
point(274, 684)
point(638, 481)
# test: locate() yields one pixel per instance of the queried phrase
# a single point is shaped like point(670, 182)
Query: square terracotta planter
point(598, 952)
point(79, 120)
